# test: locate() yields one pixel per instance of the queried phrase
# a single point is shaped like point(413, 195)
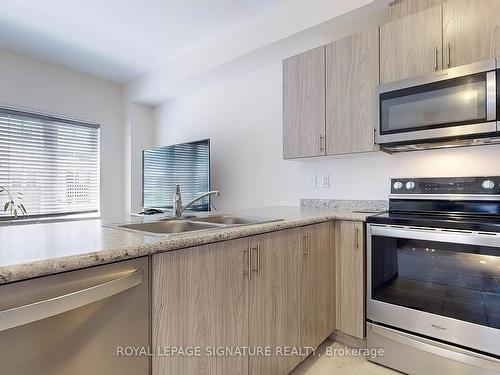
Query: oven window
point(453, 102)
point(452, 280)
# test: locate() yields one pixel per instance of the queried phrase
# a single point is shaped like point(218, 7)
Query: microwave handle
point(491, 96)
point(32, 312)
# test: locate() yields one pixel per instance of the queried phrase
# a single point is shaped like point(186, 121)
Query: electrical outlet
point(325, 181)
point(313, 182)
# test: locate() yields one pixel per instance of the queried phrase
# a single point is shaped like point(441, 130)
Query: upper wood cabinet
point(403, 8)
point(350, 277)
point(304, 105)
point(411, 46)
point(317, 292)
point(471, 31)
point(352, 76)
point(456, 33)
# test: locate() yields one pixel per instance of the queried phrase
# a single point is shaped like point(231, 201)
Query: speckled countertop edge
point(153, 245)
point(346, 204)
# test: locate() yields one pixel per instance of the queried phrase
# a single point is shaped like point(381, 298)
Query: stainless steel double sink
point(182, 225)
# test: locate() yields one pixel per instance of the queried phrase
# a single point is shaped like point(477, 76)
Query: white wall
point(244, 121)
point(141, 137)
point(33, 84)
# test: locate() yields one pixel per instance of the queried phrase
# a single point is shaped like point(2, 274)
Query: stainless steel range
point(433, 277)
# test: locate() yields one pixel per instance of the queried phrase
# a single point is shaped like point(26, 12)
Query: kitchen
point(338, 112)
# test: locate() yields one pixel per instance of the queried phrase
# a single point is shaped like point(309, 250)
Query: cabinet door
point(411, 46)
point(317, 300)
point(304, 104)
point(471, 31)
point(404, 8)
point(200, 299)
point(352, 76)
point(274, 300)
point(350, 277)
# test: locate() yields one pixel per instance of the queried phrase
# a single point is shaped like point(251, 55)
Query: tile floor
point(322, 364)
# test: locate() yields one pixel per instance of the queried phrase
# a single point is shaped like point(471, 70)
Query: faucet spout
point(179, 209)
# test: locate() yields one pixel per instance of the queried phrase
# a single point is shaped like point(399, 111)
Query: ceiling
point(120, 40)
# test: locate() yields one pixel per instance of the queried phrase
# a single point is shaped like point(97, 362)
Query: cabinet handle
point(257, 267)
point(321, 143)
point(357, 238)
point(259, 259)
point(449, 55)
point(305, 244)
point(436, 65)
point(248, 272)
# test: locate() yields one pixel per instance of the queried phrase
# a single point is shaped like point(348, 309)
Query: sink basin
point(232, 220)
point(191, 224)
point(170, 226)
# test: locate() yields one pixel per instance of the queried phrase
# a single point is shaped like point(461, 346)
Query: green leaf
point(6, 207)
point(23, 209)
point(15, 213)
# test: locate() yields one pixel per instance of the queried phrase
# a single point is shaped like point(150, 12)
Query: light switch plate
point(325, 181)
point(313, 182)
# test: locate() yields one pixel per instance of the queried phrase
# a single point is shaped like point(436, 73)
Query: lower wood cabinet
point(274, 290)
point(350, 277)
point(274, 313)
point(317, 300)
point(200, 299)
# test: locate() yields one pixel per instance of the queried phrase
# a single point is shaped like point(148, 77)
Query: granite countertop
point(28, 251)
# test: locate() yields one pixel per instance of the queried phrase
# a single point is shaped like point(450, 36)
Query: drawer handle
point(33, 312)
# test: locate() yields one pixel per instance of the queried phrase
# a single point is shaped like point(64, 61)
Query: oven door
point(439, 283)
point(454, 103)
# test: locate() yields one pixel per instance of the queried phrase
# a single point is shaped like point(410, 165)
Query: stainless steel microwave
point(449, 108)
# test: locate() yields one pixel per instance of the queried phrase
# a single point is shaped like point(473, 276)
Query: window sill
point(54, 219)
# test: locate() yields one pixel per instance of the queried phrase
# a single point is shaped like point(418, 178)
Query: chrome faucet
point(179, 209)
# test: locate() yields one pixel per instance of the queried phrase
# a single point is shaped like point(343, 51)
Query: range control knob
point(398, 185)
point(410, 185)
point(488, 185)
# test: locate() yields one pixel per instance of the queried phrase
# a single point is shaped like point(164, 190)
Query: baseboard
point(348, 340)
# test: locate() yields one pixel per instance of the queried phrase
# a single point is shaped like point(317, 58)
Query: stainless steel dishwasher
point(74, 323)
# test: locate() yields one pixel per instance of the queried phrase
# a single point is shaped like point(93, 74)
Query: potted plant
point(13, 203)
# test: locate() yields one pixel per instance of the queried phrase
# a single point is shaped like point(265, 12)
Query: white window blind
point(52, 161)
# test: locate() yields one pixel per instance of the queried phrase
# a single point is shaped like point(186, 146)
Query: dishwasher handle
point(32, 312)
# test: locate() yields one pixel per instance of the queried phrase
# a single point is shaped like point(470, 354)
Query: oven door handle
point(438, 235)
point(33, 312)
point(471, 359)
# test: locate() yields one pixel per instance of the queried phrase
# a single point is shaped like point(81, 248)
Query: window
point(187, 165)
point(53, 162)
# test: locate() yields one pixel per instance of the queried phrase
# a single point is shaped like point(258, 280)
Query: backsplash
point(371, 205)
